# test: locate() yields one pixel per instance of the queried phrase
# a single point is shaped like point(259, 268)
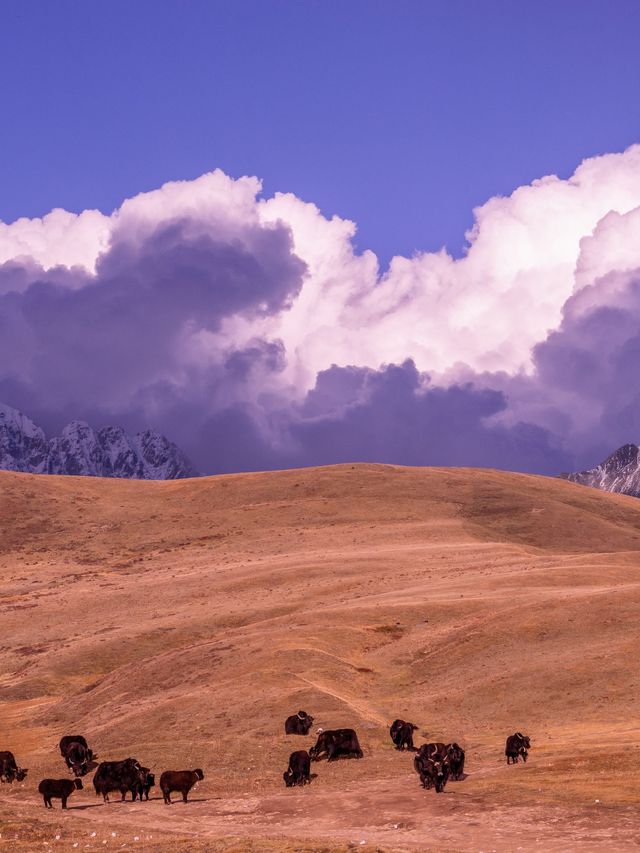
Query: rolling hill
point(181, 621)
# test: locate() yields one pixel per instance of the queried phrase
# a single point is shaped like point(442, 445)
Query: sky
point(400, 116)
point(303, 232)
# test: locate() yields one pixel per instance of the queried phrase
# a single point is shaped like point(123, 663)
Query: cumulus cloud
point(253, 333)
point(126, 338)
point(486, 309)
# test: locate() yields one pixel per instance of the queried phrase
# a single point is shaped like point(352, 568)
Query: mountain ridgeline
point(619, 472)
point(81, 450)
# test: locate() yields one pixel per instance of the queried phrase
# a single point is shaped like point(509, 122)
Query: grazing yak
point(299, 770)
point(179, 780)
point(336, 743)
point(298, 724)
point(69, 739)
point(9, 770)
point(433, 772)
point(77, 756)
point(402, 734)
point(518, 745)
point(120, 776)
point(146, 781)
point(76, 753)
point(60, 789)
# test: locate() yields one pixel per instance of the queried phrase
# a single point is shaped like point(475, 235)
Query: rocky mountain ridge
point(619, 472)
point(81, 450)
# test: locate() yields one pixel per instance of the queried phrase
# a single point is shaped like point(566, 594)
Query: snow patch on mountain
point(619, 472)
point(81, 450)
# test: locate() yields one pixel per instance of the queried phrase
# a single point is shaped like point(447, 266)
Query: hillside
point(182, 621)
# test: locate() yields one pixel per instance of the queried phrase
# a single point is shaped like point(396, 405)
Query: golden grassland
point(181, 622)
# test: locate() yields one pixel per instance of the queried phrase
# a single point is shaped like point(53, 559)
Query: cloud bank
point(252, 333)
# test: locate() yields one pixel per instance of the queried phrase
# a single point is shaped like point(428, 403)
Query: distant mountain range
point(619, 472)
point(81, 450)
point(148, 455)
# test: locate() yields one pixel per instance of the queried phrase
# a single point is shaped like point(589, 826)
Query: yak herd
point(123, 776)
point(435, 763)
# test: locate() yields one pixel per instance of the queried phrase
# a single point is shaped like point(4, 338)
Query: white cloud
point(487, 309)
point(527, 254)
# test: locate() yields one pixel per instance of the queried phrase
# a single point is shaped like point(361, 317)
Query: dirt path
point(387, 816)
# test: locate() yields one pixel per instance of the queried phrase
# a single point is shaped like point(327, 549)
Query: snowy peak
point(23, 446)
point(80, 450)
point(159, 455)
point(619, 472)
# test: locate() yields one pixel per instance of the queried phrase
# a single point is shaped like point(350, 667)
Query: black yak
point(299, 770)
point(336, 743)
point(59, 789)
point(517, 746)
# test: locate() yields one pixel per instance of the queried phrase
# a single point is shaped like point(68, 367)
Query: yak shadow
point(87, 806)
point(452, 781)
point(180, 802)
point(160, 799)
point(340, 757)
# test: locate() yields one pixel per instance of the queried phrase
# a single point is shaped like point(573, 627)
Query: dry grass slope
point(181, 622)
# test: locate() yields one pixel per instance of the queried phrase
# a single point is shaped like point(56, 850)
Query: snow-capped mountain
point(79, 449)
point(620, 472)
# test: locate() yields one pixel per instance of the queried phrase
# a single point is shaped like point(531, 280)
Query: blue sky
point(399, 115)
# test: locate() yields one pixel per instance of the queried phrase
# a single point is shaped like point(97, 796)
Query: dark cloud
point(589, 368)
point(394, 415)
point(109, 345)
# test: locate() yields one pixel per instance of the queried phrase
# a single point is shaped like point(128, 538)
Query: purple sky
point(245, 317)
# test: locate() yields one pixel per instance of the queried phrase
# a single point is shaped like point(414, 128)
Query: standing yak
point(455, 757)
point(120, 776)
point(59, 789)
point(402, 734)
point(146, 781)
point(179, 780)
point(517, 746)
point(433, 772)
